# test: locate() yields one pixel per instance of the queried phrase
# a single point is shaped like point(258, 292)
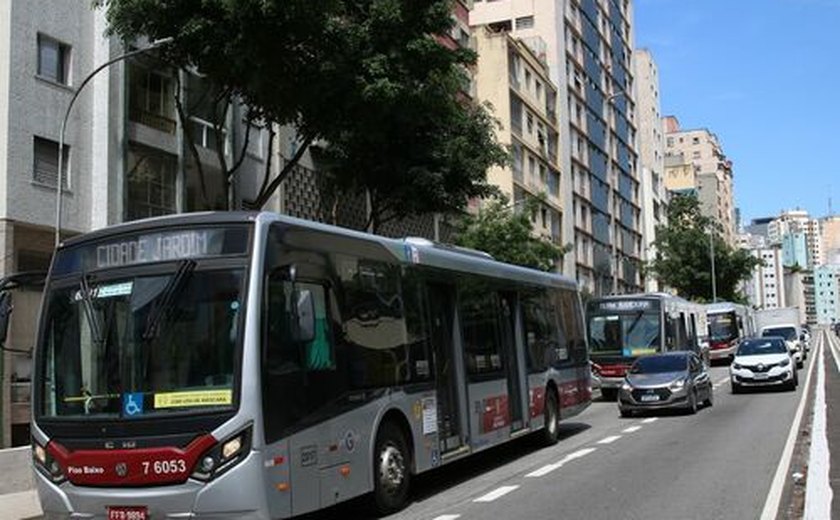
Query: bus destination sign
point(626, 305)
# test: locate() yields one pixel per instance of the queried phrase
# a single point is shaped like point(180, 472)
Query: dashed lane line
point(447, 517)
point(496, 493)
point(545, 470)
point(609, 440)
point(650, 420)
point(632, 429)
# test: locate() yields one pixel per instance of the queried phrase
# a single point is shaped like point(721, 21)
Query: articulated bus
point(729, 323)
point(250, 365)
point(622, 328)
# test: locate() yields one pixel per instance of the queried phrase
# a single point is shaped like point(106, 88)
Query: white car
point(788, 333)
point(763, 362)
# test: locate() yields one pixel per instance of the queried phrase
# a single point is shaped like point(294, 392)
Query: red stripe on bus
point(144, 466)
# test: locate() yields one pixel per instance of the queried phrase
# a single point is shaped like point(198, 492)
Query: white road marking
point(722, 381)
point(447, 517)
point(609, 440)
point(545, 470)
point(493, 495)
point(632, 429)
point(818, 493)
point(771, 505)
point(833, 352)
point(650, 420)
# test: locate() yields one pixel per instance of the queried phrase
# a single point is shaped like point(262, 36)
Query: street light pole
point(712, 255)
point(60, 177)
point(615, 252)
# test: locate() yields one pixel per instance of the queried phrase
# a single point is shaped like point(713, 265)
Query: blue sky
point(764, 75)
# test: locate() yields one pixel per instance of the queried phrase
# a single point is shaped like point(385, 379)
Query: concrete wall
point(16, 465)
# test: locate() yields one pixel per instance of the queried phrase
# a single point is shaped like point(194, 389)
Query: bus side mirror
point(303, 330)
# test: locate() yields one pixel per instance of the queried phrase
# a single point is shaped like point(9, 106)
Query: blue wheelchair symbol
point(132, 404)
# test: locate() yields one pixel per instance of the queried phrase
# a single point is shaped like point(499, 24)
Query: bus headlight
point(223, 456)
point(46, 464)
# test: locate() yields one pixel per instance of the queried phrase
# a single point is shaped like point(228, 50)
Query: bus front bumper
point(235, 495)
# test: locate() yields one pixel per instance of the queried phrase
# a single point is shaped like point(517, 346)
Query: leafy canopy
point(366, 77)
point(508, 235)
point(683, 255)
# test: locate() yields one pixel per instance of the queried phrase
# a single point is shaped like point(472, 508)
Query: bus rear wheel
point(391, 469)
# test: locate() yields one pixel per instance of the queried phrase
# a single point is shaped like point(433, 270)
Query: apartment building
point(795, 251)
point(713, 178)
point(766, 287)
point(798, 221)
point(830, 232)
point(651, 155)
point(127, 153)
point(588, 49)
point(827, 292)
point(513, 77)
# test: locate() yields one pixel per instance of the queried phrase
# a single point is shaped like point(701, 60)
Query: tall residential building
point(830, 227)
point(712, 172)
point(799, 293)
point(680, 175)
point(793, 221)
point(588, 46)
point(512, 77)
point(759, 226)
point(795, 250)
point(127, 154)
point(766, 287)
point(651, 155)
point(827, 292)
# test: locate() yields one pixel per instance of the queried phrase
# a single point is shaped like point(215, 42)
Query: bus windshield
point(723, 327)
point(143, 345)
point(625, 334)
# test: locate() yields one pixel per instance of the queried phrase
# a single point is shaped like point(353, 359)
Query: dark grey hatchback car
point(661, 381)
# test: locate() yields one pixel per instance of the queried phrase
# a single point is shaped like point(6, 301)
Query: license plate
point(760, 376)
point(649, 398)
point(128, 513)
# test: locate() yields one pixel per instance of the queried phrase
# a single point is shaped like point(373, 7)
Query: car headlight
point(784, 362)
point(626, 386)
point(736, 366)
point(678, 384)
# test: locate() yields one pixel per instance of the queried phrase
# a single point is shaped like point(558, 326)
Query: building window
point(525, 22)
point(150, 182)
point(151, 98)
point(53, 60)
point(45, 164)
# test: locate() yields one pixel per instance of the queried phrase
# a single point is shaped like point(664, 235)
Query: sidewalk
point(20, 505)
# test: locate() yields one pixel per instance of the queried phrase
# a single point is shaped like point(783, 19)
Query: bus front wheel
point(391, 469)
point(551, 430)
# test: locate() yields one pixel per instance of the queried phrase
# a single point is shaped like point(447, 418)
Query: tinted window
point(789, 333)
point(482, 344)
point(573, 334)
point(540, 320)
point(659, 364)
point(756, 347)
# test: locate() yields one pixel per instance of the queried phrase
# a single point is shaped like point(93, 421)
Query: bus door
point(441, 315)
point(507, 303)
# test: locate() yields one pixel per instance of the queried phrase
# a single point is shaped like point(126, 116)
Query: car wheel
point(551, 430)
point(736, 388)
point(609, 394)
point(692, 402)
point(800, 364)
point(391, 469)
point(625, 413)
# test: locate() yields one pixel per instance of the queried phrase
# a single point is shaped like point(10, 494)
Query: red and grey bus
point(729, 323)
point(250, 365)
point(622, 328)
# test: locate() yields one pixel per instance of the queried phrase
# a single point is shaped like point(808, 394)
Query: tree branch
point(264, 195)
point(179, 107)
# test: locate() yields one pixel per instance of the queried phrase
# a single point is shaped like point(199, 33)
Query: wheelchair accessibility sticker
point(132, 404)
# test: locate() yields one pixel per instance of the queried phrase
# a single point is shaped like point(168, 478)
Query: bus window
point(542, 332)
point(573, 336)
point(482, 347)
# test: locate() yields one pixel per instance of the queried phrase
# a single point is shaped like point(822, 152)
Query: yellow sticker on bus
point(194, 398)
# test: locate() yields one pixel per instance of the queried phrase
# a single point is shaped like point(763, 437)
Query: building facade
point(127, 153)
point(795, 252)
point(798, 221)
point(827, 285)
point(588, 48)
point(766, 287)
point(512, 76)
point(651, 156)
point(830, 230)
point(713, 177)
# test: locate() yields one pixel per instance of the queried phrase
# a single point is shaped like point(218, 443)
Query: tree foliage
point(367, 78)
point(508, 235)
point(683, 255)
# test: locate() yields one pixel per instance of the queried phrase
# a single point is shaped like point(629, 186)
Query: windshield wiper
point(90, 313)
point(157, 316)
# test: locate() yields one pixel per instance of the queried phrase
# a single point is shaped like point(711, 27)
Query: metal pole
point(60, 177)
point(712, 256)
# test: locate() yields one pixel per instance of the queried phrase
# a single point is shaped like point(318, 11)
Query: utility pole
point(712, 257)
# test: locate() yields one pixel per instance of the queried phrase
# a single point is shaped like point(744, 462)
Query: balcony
point(152, 120)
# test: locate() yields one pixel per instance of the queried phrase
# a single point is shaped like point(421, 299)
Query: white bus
point(249, 365)
point(729, 324)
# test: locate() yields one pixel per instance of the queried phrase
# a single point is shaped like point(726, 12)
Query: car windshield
point(789, 333)
point(141, 345)
point(659, 364)
point(758, 347)
point(625, 334)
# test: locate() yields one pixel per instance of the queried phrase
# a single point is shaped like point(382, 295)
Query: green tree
point(367, 78)
point(508, 234)
point(683, 256)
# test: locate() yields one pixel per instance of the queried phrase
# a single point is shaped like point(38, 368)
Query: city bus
point(252, 365)
point(729, 323)
point(622, 328)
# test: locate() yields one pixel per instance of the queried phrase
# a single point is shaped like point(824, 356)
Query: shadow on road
point(429, 484)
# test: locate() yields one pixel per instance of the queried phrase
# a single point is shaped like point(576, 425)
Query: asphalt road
point(718, 464)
